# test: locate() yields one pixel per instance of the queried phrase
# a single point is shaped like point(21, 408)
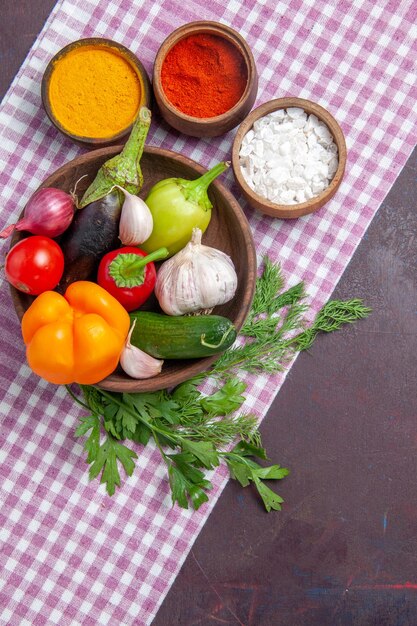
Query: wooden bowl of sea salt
point(289, 157)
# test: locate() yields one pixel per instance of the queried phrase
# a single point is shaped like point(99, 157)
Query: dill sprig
point(222, 431)
point(271, 329)
point(331, 317)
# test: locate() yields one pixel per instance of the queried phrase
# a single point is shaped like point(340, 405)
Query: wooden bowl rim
point(193, 366)
point(303, 208)
point(133, 60)
point(216, 28)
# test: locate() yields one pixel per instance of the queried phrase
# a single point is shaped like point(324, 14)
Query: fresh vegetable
point(95, 228)
point(77, 337)
point(177, 206)
point(124, 168)
point(196, 279)
point(49, 212)
point(136, 363)
point(34, 264)
point(93, 233)
point(166, 337)
point(129, 274)
point(200, 428)
point(136, 222)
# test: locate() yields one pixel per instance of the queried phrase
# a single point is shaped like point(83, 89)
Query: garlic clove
point(196, 279)
point(136, 221)
point(136, 363)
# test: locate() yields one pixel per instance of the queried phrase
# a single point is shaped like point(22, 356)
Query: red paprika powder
point(204, 75)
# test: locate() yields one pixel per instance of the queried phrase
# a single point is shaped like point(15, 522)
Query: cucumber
point(166, 337)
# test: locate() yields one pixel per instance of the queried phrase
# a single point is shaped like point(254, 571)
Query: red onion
point(49, 212)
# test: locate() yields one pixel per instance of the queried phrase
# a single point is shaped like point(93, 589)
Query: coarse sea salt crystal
point(333, 165)
point(288, 156)
point(324, 134)
point(284, 148)
point(295, 112)
point(248, 137)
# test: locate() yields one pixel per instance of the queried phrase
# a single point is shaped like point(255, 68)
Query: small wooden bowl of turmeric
point(205, 80)
point(92, 90)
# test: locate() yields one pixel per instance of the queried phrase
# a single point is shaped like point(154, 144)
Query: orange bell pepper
point(77, 337)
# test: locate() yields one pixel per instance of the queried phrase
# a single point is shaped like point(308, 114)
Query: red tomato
point(129, 285)
point(34, 265)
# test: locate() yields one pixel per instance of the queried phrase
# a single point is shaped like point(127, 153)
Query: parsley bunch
point(194, 431)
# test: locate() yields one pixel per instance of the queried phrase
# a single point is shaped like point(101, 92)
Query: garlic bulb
point(196, 279)
point(136, 221)
point(136, 363)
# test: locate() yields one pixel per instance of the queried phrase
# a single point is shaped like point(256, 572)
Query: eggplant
point(95, 228)
point(93, 232)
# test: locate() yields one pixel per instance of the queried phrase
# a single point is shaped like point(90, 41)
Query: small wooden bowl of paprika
point(92, 90)
point(205, 80)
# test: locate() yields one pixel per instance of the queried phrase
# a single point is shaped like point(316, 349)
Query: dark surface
point(20, 23)
point(343, 550)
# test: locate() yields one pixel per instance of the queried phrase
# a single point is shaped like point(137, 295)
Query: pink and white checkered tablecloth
point(69, 554)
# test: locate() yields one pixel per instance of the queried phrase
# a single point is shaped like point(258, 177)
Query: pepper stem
point(128, 269)
point(196, 190)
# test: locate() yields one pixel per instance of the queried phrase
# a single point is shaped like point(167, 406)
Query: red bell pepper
point(129, 274)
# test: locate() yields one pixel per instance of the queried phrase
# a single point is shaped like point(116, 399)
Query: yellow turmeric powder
point(94, 92)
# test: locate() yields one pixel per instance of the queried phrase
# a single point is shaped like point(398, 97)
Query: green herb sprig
point(194, 431)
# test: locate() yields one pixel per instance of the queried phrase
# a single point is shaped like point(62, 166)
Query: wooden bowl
point(289, 211)
point(120, 50)
point(208, 126)
point(228, 231)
